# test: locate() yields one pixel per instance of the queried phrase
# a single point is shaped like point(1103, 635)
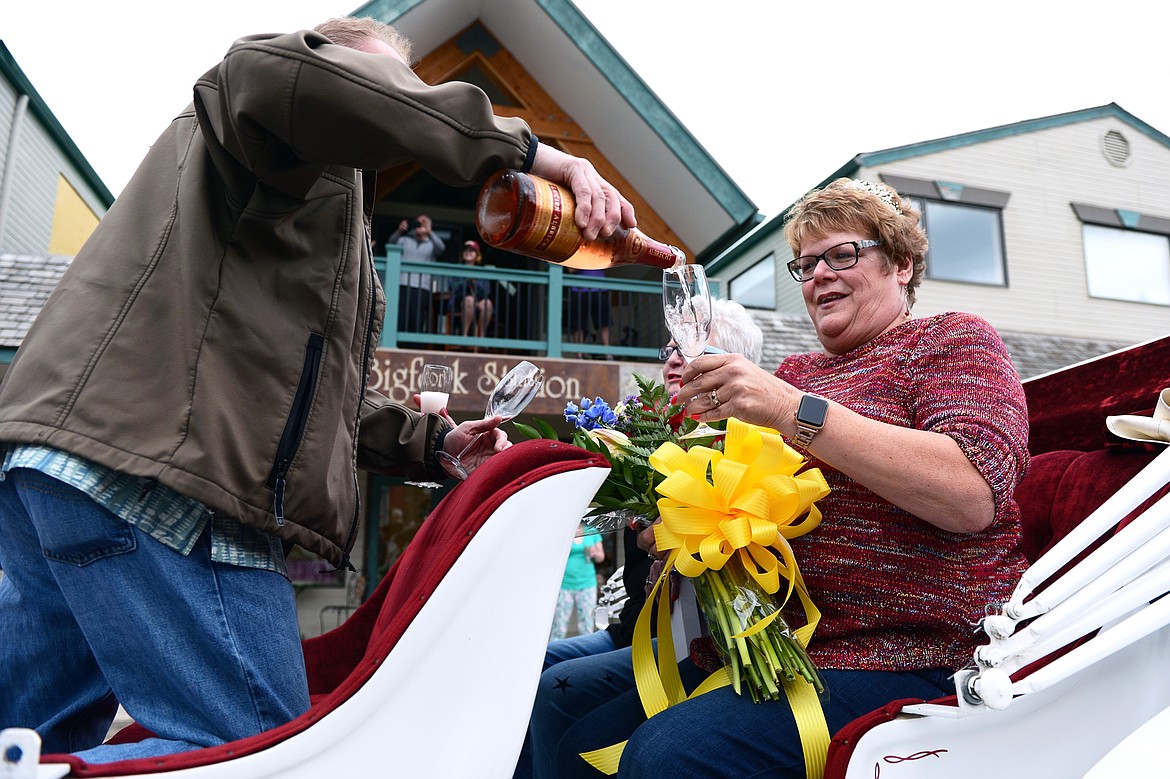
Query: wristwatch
point(810, 418)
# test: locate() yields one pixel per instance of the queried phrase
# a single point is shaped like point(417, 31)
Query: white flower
point(616, 442)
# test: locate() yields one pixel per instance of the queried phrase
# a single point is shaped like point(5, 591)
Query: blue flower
point(590, 415)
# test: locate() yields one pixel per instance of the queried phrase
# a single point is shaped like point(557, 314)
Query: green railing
point(533, 312)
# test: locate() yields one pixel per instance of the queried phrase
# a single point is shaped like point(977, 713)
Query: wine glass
point(434, 387)
point(686, 302)
point(434, 390)
point(511, 396)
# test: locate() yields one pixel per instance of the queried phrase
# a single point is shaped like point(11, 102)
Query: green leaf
point(527, 431)
point(546, 430)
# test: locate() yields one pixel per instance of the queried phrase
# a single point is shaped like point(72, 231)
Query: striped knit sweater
point(895, 592)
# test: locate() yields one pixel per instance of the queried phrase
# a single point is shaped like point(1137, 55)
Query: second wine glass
point(434, 392)
point(511, 396)
point(434, 388)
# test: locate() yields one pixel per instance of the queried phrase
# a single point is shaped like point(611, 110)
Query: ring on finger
point(714, 398)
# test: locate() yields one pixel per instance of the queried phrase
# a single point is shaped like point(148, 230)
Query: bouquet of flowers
point(728, 505)
point(627, 435)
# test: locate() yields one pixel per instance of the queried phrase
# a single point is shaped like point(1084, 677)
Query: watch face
point(812, 410)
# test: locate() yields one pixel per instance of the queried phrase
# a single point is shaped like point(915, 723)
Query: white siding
point(1044, 172)
point(38, 162)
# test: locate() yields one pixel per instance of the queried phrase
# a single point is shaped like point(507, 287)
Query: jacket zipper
point(365, 370)
point(294, 426)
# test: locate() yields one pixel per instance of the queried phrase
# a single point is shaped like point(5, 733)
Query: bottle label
point(647, 252)
point(553, 234)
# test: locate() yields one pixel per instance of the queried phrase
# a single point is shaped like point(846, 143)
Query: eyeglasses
point(666, 352)
point(839, 257)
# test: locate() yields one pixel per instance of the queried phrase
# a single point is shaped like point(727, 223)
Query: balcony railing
point(533, 312)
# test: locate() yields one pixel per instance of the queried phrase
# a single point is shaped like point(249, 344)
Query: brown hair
point(352, 31)
point(847, 205)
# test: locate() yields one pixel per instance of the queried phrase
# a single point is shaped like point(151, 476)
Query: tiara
point(881, 191)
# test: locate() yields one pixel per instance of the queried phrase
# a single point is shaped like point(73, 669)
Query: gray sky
point(780, 94)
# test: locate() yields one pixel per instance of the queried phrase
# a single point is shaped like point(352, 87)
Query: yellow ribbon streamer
point(746, 501)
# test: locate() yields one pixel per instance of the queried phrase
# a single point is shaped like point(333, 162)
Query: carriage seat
point(1061, 489)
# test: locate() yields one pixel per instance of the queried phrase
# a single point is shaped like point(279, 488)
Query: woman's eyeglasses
point(839, 257)
point(666, 352)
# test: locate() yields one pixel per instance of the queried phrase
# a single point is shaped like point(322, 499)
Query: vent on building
point(1115, 148)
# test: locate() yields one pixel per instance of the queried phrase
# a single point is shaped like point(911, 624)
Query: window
point(1127, 264)
point(966, 242)
point(756, 287)
point(964, 225)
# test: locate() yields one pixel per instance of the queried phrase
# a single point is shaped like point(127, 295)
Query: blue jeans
point(581, 645)
point(599, 642)
point(93, 611)
point(586, 704)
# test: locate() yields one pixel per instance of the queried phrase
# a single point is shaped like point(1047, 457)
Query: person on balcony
point(920, 428)
point(194, 398)
point(588, 310)
point(420, 244)
point(473, 297)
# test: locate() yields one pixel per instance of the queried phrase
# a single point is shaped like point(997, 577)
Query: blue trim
point(1129, 218)
point(553, 345)
point(6, 354)
point(1113, 110)
point(387, 11)
point(41, 111)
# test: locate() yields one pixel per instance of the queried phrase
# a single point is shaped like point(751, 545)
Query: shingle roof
point(26, 281)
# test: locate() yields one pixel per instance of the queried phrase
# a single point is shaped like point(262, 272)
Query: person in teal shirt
point(579, 586)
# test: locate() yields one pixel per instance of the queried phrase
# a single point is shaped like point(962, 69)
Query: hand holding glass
point(511, 396)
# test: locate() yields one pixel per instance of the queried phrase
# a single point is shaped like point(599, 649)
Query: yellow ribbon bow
point(746, 501)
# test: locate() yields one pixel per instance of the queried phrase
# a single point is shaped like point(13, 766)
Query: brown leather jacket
point(215, 332)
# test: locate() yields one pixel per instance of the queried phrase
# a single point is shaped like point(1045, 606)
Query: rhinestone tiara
point(881, 191)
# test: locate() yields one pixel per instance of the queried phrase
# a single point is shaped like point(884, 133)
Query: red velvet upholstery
point(341, 661)
point(1067, 408)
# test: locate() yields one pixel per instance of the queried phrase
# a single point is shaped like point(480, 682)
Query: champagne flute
point(686, 303)
point(511, 396)
point(434, 387)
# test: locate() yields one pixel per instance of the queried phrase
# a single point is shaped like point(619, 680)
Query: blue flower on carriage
point(590, 415)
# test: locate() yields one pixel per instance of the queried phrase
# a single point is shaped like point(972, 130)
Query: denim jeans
point(598, 642)
point(591, 702)
point(93, 611)
point(582, 645)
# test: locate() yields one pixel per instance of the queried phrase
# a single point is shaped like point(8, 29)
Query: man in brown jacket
point(193, 395)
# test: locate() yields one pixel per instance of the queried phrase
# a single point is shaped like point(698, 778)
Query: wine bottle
point(529, 215)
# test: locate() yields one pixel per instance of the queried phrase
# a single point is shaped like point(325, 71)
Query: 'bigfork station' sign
point(395, 374)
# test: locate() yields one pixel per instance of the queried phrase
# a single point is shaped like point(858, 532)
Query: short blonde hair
point(847, 205)
point(352, 31)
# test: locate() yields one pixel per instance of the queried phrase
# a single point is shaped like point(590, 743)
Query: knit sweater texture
point(895, 592)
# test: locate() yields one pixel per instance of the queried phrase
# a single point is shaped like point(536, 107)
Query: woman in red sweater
point(920, 428)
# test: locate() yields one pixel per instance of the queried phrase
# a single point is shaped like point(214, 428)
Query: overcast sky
point(780, 94)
